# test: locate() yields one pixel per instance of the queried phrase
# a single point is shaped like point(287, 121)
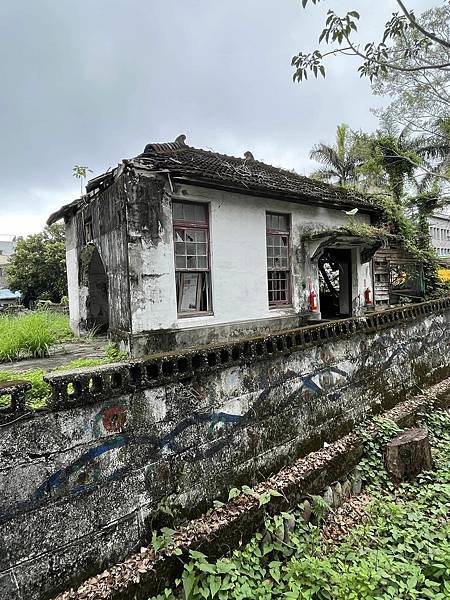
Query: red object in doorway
point(312, 300)
point(367, 299)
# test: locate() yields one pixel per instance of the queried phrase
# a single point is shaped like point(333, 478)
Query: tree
point(37, 268)
point(80, 172)
point(423, 49)
point(340, 161)
point(420, 99)
point(389, 161)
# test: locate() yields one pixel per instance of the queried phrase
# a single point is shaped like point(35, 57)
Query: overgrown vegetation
point(38, 396)
point(399, 550)
point(31, 334)
point(354, 229)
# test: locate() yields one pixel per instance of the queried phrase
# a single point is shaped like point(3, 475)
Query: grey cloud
point(91, 82)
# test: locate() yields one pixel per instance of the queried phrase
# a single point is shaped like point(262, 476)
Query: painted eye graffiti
point(114, 418)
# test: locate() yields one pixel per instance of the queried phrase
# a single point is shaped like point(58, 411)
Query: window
point(278, 267)
point(192, 269)
point(88, 231)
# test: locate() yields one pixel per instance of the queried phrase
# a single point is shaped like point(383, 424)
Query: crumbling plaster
point(86, 483)
point(238, 260)
point(132, 230)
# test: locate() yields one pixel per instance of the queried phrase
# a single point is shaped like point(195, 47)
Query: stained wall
point(145, 443)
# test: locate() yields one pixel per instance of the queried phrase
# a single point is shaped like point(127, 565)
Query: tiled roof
point(246, 174)
point(222, 171)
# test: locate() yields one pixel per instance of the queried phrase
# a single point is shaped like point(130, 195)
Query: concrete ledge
point(87, 386)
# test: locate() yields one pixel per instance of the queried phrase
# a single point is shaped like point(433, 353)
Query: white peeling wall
point(72, 276)
point(238, 261)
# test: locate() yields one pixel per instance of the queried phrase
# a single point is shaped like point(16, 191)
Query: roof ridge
point(180, 146)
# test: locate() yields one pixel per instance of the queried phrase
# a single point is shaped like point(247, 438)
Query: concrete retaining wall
point(123, 449)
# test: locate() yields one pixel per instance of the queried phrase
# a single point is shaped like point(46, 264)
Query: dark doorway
point(335, 283)
point(97, 301)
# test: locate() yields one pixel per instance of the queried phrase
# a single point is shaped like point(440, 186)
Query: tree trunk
point(407, 455)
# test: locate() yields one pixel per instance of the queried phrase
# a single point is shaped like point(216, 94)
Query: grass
point(40, 391)
point(399, 550)
point(31, 334)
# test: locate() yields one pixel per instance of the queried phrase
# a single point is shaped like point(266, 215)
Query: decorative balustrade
point(86, 386)
point(14, 391)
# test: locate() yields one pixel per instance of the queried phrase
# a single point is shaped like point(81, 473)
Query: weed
point(401, 551)
point(31, 334)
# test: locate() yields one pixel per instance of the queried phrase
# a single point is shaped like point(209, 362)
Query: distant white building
point(439, 228)
point(7, 247)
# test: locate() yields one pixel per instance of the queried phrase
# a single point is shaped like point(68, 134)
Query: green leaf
point(188, 584)
point(264, 499)
point(233, 493)
point(197, 555)
point(206, 568)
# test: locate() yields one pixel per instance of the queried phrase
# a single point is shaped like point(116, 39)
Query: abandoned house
point(182, 246)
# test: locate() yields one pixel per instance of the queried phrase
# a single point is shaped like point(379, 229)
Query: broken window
point(278, 263)
point(191, 240)
point(88, 231)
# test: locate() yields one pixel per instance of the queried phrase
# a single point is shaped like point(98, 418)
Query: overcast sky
point(91, 82)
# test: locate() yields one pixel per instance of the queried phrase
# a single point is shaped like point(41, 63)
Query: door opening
point(97, 301)
point(335, 283)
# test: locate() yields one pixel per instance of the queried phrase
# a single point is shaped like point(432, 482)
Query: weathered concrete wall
point(107, 213)
point(83, 483)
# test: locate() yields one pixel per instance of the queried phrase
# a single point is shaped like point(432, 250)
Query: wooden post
point(407, 455)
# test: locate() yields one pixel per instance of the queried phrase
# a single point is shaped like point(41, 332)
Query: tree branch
point(393, 66)
point(414, 23)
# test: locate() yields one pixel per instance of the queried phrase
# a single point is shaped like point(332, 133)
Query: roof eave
point(278, 195)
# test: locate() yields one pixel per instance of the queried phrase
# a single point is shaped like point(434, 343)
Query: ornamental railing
point(94, 384)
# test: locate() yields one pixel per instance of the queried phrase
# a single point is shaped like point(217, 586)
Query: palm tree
point(435, 150)
point(340, 161)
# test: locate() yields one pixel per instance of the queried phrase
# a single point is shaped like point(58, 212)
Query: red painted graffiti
point(114, 418)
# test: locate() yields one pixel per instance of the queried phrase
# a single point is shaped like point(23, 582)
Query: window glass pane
point(191, 249)
point(189, 212)
point(190, 235)
point(200, 213)
point(201, 262)
point(200, 235)
point(277, 222)
point(191, 262)
point(179, 235)
point(188, 292)
point(180, 248)
point(192, 292)
point(177, 211)
point(201, 249)
point(180, 262)
point(283, 223)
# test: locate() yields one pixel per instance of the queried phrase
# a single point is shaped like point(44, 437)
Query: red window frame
point(281, 273)
point(192, 233)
